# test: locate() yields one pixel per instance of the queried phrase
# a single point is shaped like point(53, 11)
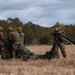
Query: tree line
point(36, 34)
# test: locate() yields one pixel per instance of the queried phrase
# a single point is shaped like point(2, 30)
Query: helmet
point(58, 24)
point(1, 28)
point(9, 28)
point(19, 29)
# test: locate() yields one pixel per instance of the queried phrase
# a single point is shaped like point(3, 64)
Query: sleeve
point(10, 36)
point(2, 37)
point(63, 32)
point(53, 32)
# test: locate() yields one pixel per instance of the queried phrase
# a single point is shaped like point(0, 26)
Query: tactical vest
point(15, 36)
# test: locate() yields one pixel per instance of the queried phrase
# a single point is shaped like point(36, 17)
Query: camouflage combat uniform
point(14, 39)
point(2, 45)
point(21, 35)
point(59, 42)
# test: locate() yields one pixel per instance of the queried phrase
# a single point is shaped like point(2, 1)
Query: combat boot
point(13, 55)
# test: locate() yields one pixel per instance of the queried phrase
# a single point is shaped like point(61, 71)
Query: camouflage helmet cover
point(19, 29)
point(58, 24)
point(9, 28)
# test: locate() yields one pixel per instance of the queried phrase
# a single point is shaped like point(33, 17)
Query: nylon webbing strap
point(65, 38)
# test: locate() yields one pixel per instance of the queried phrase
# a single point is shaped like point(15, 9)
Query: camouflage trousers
point(53, 53)
point(3, 52)
point(62, 48)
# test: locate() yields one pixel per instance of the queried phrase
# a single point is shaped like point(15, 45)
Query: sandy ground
point(41, 66)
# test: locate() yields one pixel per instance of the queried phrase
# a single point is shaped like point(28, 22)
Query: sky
point(42, 12)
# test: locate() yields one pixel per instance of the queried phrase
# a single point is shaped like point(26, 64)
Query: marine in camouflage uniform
point(21, 35)
point(59, 40)
point(14, 39)
point(2, 44)
point(23, 52)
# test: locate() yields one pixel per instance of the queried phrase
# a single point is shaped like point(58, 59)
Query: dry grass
point(41, 67)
